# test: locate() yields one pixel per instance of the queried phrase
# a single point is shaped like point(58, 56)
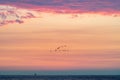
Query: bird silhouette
point(62, 48)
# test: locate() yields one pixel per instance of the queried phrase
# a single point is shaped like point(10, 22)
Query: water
point(58, 77)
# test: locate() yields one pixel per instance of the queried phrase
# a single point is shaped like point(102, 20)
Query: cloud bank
point(68, 6)
point(16, 10)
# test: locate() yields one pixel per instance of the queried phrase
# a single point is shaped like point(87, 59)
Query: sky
point(60, 37)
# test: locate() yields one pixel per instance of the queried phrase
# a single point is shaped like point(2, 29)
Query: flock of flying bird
point(62, 48)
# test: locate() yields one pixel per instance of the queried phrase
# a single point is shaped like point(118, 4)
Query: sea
point(59, 77)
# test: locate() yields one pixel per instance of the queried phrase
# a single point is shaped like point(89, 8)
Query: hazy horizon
point(62, 72)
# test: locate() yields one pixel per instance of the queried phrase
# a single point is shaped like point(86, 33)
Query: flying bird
point(62, 48)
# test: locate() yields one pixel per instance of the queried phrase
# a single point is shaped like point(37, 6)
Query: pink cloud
point(18, 10)
point(69, 6)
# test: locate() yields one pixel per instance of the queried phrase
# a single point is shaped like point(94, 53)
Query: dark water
point(58, 77)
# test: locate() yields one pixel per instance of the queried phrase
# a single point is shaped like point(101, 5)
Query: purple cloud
point(11, 10)
point(68, 6)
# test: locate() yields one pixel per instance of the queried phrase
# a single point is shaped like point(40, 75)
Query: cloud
point(9, 14)
point(69, 6)
point(14, 11)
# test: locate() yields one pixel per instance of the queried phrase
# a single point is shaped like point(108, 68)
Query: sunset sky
point(65, 36)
